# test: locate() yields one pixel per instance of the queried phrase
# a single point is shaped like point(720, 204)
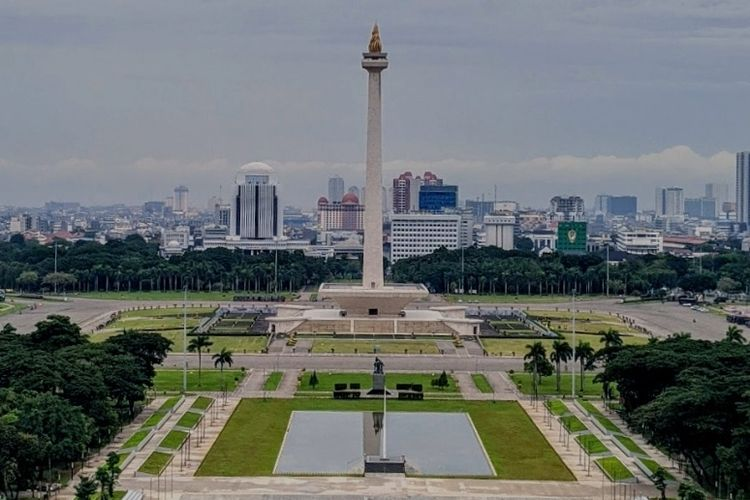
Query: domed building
point(344, 215)
point(255, 203)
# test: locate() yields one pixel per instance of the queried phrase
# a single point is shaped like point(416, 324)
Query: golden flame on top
point(375, 45)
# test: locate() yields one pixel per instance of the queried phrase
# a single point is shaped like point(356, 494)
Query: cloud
point(531, 182)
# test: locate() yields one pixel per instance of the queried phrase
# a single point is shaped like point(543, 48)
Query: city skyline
point(132, 108)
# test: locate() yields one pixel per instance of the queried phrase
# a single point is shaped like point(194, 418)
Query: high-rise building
point(222, 214)
point(700, 208)
point(500, 231)
point(344, 215)
point(335, 188)
point(743, 187)
point(670, 202)
point(626, 206)
point(180, 199)
point(567, 208)
point(720, 193)
point(436, 198)
point(421, 234)
point(154, 208)
point(255, 203)
point(639, 242)
point(354, 190)
point(406, 190)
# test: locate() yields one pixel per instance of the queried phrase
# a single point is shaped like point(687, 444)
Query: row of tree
point(691, 398)
point(134, 265)
point(490, 270)
point(61, 395)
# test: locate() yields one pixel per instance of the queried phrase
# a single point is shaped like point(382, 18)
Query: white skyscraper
point(743, 187)
point(670, 202)
point(720, 193)
point(335, 188)
point(255, 203)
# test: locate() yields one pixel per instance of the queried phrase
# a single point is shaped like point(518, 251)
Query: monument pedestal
point(388, 465)
point(378, 385)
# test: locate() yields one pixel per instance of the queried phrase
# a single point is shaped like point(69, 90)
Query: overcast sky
point(120, 101)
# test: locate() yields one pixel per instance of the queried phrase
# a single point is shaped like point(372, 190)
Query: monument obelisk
point(374, 61)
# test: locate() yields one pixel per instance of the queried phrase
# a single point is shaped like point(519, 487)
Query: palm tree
point(611, 338)
point(220, 359)
point(561, 353)
point(197, 344)
point(536, 354)
point(734, 334)
point(585, 355)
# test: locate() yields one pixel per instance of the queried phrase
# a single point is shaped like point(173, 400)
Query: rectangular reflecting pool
point(433, 444)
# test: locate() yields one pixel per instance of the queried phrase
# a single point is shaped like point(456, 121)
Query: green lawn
point(6, 308)
point(156, 463)
point(135, 439)
point(480, 381)
point(173, 440)
point(517, 347)
point(121, 458)
point(202, 403)
point(549, 384)
point(607, 424)
point(591, 444)
point(520, 299)
point(653, 466)
point(154, 419)
point(614, 469)
point(273, 381)
point(557, 407)
point(630, 445)
point(174, 295)
point(368, 346)
point(572, 423)
point(237, 344)
point(589, 407)
point(169, 403)
point(189, 420)
point(327, 380)
point(171, 380)
point(250, 442)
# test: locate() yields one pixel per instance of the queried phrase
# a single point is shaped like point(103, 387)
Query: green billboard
point(571, 237)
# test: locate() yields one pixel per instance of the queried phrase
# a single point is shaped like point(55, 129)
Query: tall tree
point(536, 356)
point(734, 334)
point(197, 344)
point(86, 488)
point(221, 358)
point(585, 357)
point(561, 353)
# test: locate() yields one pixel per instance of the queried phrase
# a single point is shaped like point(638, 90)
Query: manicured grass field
point(173, 440)
point(630, 445)
point(368, 346)
point(613, 468)
point(549, 384)
point(520, 299)
point(156, 463)
point(273, 381)
point(480, 381)
point(572, 423)
point(591, 444)
point(135, 439)
point(607, 424)
point(174, 295)
point(250, 442)
point(189, 420)
point(236, 344)
point(202, 403)
point(557, 407)
point(121, 458)
point(154, 419)
point(169, 403)
point(653, 466)
point(517, 347)
point(171, 380)
point(589, 407)
point(327, 380)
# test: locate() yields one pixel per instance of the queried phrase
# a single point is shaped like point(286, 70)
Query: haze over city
point(120, 103)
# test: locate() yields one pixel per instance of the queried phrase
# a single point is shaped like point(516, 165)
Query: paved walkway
point(253, 385)
point(504, 387)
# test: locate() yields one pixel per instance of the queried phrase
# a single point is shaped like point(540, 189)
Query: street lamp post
point(184, 341)
point(573, 371)
point(276, 265)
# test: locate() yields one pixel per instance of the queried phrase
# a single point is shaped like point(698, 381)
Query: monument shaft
point(372, 272)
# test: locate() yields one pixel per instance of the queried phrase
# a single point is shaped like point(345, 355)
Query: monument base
point(388, 465)
point(359, 301)
point(378, 385)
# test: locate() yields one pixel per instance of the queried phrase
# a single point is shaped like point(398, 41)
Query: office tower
point(626, 206)
point(743, 187)
point(153, 208)
point(344, 215)
point(601, 204)
point(335, 188)
point(222, 214)
point(421, 234)
point(700, 208)
point(255, 203)
point(568, 208)
point(180, 199)
point(720, 193)
point(500, 231)
point(436, 198)
point(406, 190)
point(670, 202)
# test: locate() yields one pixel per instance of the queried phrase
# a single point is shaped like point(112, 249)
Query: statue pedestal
point(378, 384)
